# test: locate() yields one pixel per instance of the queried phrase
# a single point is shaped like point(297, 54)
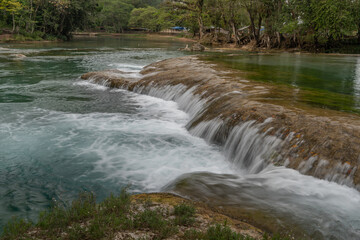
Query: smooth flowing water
point(60, 135)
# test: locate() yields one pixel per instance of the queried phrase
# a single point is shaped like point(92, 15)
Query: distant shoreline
point(10, 38)
point(7, 38)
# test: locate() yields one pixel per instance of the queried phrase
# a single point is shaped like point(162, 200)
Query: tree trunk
point(257, 31)
point(358, 34)
point(13, 20)
point(33, 17)
point(316, 41)
point(33, 21)
point(278, 39)
point(252, 25)
point(201, 27)
point(61, 27)
point(236, 36)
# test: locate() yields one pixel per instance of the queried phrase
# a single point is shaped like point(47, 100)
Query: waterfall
point(249, 145)
point(245, 146)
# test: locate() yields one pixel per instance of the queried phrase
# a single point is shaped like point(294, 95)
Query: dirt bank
point(318, 142)
point(149, 36)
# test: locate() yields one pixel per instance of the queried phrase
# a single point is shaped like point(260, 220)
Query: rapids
point(60, 135)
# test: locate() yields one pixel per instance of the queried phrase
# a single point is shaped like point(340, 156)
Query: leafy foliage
point(269, 23)
point(149, 18)
point(53, 17)
point(184, 214)
point(115, 15)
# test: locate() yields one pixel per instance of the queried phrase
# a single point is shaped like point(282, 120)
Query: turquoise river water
point(60, 135)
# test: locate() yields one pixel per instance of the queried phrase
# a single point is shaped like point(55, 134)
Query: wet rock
point(186, 48)
point(18, 56)
point(111, 78)
point(197, 47)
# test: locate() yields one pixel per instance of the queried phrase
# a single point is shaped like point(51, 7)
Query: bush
point(184, 214)
point(219, 232)
point(50, 37)
point(153, 220)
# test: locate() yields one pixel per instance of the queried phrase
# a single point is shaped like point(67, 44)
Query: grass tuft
point(154, 221)
point(184, 214)
point(15, 228)
point(217, 232)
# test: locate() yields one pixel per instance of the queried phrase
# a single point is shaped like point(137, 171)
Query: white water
point(315, 208)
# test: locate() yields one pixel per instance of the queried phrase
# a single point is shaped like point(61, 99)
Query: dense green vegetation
point(37, 19)
point(307, 24)
point(85, 219)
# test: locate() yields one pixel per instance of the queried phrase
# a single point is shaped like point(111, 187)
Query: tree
point(61, 17)
point(146, 18)
point(12, 7)
point(115, 15)
point(255, 9)
point(332, 18)
point(196, 7)
point(234, 16)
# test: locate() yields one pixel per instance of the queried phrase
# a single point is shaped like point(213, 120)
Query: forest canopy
point(266, 23)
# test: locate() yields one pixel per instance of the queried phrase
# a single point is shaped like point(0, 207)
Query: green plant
point(19, 37)
point(50, 37)
point(216, 232)
point(118, 205)
point(153, 220)
point(15, 228)
point(184, 214)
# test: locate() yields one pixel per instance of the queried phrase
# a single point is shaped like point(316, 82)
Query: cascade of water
point(100, 81)
point(246, 145)
point(182, 95)
point(210, 130)
point(249, 148)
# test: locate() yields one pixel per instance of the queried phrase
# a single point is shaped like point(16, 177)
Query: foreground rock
point(224, 108)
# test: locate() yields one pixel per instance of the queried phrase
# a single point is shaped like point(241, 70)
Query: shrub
point(184, 214)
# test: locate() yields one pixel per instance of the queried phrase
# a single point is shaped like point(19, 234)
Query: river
point(60, 135)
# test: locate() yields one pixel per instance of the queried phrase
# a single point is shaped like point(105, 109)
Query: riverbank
point(14, 38)
point(318, 142)
point(149, 36)
point(143, 216)
point(18, 38)
point(180, 37)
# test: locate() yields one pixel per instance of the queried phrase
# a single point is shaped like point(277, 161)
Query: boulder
point(18, 56)
point(186, 48)
point(197, 47)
